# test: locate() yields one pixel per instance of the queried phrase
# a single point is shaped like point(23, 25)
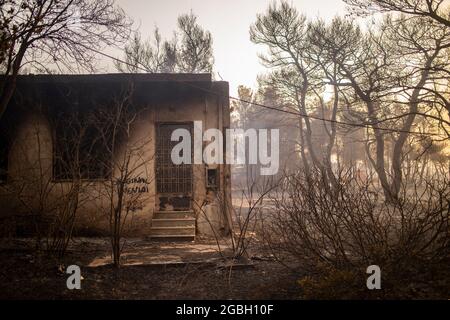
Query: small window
point(212, 178)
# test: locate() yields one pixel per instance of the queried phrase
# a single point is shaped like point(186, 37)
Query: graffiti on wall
point(137, 185)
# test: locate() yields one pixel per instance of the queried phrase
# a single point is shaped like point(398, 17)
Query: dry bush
point(335, 233)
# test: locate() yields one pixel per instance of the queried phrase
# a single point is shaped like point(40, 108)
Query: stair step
point(172, 237)
point(188, 231)
point(176, 222)
point(173, 225)
point(173, 214)
point(174, 211)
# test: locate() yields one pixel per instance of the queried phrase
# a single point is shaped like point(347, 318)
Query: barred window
point(171, 178)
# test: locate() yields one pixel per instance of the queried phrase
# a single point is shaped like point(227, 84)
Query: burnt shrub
point(334, 232)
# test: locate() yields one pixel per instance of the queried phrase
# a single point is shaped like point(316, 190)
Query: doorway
point(174, 183)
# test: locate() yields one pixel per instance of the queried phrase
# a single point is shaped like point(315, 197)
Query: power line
point(352, 124)
point(360, 125)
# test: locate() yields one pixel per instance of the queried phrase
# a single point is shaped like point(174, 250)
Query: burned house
point(85, 141)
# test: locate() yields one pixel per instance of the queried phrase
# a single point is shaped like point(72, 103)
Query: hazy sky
point(228, 20)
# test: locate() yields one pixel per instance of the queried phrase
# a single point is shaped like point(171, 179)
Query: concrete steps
point(173, 225)
point(182, 222)
point(173, 214)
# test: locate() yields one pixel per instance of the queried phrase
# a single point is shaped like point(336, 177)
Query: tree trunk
point(397, 154)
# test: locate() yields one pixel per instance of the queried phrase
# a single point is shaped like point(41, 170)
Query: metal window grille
point(171, 178)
